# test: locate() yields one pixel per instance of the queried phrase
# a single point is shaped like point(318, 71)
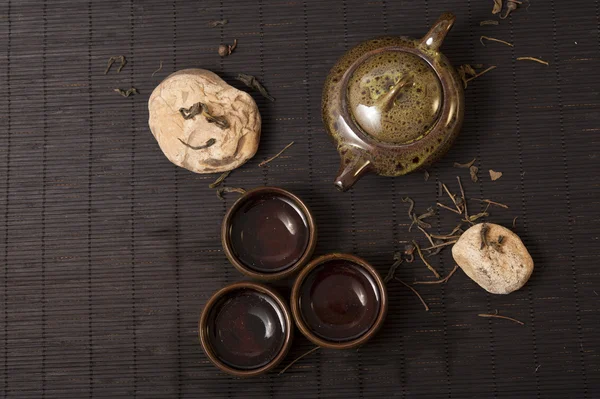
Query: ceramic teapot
point(393, 105)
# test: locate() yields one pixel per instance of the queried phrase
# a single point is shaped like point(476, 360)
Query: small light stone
point(499, 267)
point(233, 145)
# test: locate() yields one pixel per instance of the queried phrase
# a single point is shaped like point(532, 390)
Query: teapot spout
point(436, 35)
point(350, 172)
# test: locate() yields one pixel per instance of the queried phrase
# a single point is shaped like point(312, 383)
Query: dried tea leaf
point(220, 179)
point(160, 67)
point(495, 175)
point(473, 171)
point(497, 7)
point(533, 59)
point(127, 93)
point(488, 22)
point(220, 22)
point(474, 218)
point(426, 176)
point(265, 162)
point(493, 39)
point(209, 143)
point(465, 165)
point(253, 83)
point(226, 190)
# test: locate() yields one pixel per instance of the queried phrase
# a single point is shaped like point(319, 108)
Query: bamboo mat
point(108, 252)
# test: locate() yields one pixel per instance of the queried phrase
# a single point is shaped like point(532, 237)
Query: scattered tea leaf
point(488, 22)
point(497, 316)
point(474, 218)
point(464, 198)
point(441, 245)
point(442, 281)
point(479, 74)
point(411, 206)
point(439, 189)
point(435, 273)
point(426, 235)
point(426, 175)
point(493, 39)
point(392, 272)
point(112, 60)
point(515, 222)
point(265, 162)
point(451, 235)
point(209, 143)
point(202, 109)
point(227, 49)
point(533, 59)
point(159, 69)
point(465, 165)
point(511, 5)
point(227, 190)
point(219, 22)
point(487, 201)
point(500, 239)
point(483, 234)
point(415, 292)
point(473, 170)
point(497, 7)
point(495, 175)
point(127, 93)
point(298, 358)
point(448, 208)
point(253, 83)
point(220, 179)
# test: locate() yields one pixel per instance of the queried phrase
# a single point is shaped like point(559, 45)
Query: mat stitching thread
point(8, 147)
point(567, 195)
point(265, 171)
point(89, 212)
point(359, 365)
point(478, 154)
point(523, 201)
point(176, 208)
point(395, 232)
point(44, 193)
point(310, 158)
point(227, 276)
point(132, 209)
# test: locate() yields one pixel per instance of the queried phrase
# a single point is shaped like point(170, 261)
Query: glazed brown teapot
point(393, 105)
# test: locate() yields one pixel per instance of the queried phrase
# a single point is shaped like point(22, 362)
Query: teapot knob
point(436, 35)
point(351, 169)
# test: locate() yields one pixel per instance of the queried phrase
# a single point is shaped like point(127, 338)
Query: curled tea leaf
point(497, 7)
point(226, 190)
point(253, 83)
point(127, 93)
point(219, 180)
point(112, 60)
point(465, 165)
point(219, 22)
point(202, 109)
point(209, 143)
point(227, 49)
point(473, 172)
point(488, 22)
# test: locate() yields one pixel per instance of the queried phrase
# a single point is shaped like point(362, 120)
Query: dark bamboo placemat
point(108, 252)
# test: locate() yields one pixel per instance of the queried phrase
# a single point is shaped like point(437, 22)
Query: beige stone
point(233, 145)
point(497, 268)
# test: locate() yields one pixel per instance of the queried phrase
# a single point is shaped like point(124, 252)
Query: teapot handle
point(436, 35)
point(350, 172)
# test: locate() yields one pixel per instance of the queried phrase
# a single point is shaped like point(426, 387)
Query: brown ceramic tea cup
point(268, 233)
point(245, 329)
point(339, 301)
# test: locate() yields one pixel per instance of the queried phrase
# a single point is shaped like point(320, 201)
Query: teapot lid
point(394, 96)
